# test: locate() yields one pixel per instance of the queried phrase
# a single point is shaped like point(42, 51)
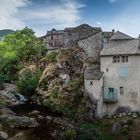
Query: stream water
point(42, 132)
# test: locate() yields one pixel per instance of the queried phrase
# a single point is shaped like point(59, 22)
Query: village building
point(115, 85)
point(91, 39)
point(54, 40)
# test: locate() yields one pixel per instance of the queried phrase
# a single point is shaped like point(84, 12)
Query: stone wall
point(72, 36)
point(130, 82)
point(92, 45)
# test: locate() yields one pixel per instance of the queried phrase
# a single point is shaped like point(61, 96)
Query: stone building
point(115, 87)
point(75, 34)
point(92, 39)
point(93, 43)
point(54, 40)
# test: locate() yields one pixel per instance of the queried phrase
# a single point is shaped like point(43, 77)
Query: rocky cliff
point(61, 85)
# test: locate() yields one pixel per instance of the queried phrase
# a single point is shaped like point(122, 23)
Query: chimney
point(139, 42)
point(113, 30)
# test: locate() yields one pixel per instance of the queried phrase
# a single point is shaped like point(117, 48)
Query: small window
point(106, 69)
point(126, 57)
point(52, 37)
point(123, 59)
point(121, 91)
point(118, 58)
point(91, 82)
point(111, 89)
point(114, 59)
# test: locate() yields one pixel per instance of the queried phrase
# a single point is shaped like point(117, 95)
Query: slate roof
point(121, 36)
point(108, 34)
point(120, 44)
point(129, 47)
point(55, 32)
point(93, 73)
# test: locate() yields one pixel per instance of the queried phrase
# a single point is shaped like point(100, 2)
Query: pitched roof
point(108, 34)
point(83, 31)
point(121, 36)
point(55, 32)
point(129, 47)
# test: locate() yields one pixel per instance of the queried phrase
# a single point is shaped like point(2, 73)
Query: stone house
point(83, 36)
point(95, 42)
point(115, 87)
point(54, 40)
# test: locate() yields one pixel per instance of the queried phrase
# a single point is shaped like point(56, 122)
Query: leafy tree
point(21, 46)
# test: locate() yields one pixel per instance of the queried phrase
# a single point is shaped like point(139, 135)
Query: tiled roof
point(121, 47)
point(121, 36)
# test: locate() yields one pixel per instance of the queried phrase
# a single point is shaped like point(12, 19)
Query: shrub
point(52, 57)
point(69, 134)
point(27, 83)
point(88, 132)
point(47, 103)
point(2, 79)
point(55, 92)
point(74, 84)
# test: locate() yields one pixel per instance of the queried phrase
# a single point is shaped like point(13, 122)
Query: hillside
point(5, 32)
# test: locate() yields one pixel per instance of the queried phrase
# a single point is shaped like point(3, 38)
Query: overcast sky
point(42, 15)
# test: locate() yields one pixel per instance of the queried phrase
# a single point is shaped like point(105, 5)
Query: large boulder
point(3, 135)
point(18, 121)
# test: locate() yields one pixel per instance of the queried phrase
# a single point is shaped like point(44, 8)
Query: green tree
point(21, 46)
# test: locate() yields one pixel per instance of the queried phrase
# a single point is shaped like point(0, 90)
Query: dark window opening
point(121, 91)
point(111, 89)
point(51, 37)
point(91, 82)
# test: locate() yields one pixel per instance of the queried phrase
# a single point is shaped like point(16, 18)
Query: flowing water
point(42, 132)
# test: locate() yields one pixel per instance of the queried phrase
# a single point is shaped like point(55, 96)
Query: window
point(52, 37)
point(124, 59)
point(111, 90)
point(114, 59)
point(106, 69)
point(118, 58)
point(121, 91)
point(91, 82)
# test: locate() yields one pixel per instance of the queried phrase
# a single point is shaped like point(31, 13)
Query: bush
point(47, 103)
point(28, 82)
point(69, 134)
point(52, 57)
point(88, 132)
point(55, 92)
point(74, 84)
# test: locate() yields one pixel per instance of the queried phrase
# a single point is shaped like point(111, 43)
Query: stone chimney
point(139, 42)
point(113, 30)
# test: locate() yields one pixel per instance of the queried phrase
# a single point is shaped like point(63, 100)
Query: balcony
point(110, 95)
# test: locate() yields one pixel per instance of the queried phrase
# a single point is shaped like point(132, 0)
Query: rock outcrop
point(61, 85)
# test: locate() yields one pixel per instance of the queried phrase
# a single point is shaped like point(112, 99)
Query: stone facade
point(118, 89)
point(92, 45)
point(54, 39)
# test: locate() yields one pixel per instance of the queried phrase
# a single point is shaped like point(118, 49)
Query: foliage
point(74, 84)
point(67, 109)
point(47, 103)
point(69, 134)
point(28, 82)
point(18, 47)
point(5, 32)
point(52, 57)
point(55, 92)
point(88, 132)
point(3, 78)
